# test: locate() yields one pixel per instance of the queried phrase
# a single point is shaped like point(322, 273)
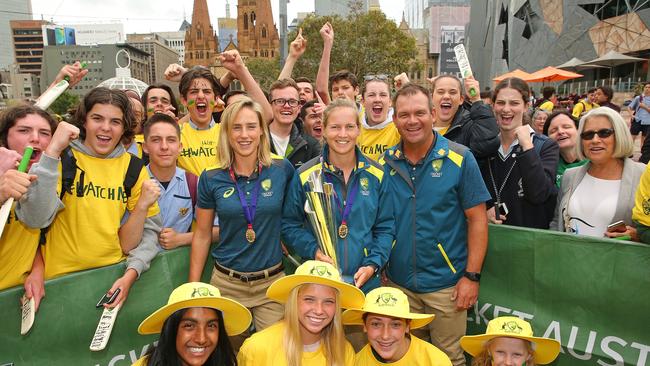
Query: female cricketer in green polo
point(246, 190)
point(364, 213)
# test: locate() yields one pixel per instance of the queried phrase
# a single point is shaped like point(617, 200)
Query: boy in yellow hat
point(311, 333)
point(509, 340)
point(387, 320)
point(194, 327)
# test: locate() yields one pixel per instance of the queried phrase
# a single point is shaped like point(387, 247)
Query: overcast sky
point(143, 16)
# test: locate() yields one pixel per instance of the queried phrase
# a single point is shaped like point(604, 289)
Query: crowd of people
point(416, 174)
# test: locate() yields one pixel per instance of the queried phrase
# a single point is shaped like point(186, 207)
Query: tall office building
point(11, 10)
point(27, 40)
point(160, 55)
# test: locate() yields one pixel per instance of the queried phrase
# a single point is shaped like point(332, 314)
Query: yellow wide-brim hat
point(236, 316)
point(545, 350)
point(390, 302)
point(320, 273)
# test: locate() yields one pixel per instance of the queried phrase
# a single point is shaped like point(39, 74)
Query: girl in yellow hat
point(311, 333)
point(509, 341)
point(194, 327)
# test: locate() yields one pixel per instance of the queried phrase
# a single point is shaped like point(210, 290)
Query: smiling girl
point(521, 175)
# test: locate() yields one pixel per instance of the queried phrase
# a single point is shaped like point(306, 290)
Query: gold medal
point(250, 235)
point(343, 230)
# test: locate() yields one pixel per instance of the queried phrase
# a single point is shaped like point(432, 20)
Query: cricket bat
point(50, 95)
point(463, 65)
point(104, 328)
point(27, 315)
point(5, 210)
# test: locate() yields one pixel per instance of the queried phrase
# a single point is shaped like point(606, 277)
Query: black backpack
point(69, 171)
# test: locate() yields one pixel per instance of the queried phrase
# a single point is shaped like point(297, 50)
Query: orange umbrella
point(513, 74)
point(551, 73)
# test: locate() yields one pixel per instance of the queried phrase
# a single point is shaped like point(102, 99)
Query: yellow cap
point(320, 273)
point(236, 317)
point(545, 350)
point(387, 301)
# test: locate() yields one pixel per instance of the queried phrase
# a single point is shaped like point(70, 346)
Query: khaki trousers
point(446, 328)
point(253, 296)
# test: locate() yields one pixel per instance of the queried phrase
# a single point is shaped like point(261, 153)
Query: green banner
point(593, 295)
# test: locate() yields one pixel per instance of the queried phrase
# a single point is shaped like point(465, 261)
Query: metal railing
point(621, 85)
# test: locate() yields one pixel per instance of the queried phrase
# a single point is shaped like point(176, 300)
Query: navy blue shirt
point(217, 191)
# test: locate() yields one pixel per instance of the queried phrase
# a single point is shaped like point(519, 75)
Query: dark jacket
point(530, 191)
point(301, 148)
point(475, 127)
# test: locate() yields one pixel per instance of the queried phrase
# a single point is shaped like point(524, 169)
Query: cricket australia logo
point(201, 292)
point(511, 327)
point(646, 206)
point(437, 166)
point(266, 186)
point(386, 299)
point(364, 186)
point(320, 271)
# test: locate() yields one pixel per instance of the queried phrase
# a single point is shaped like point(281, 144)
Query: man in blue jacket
point(440, 218)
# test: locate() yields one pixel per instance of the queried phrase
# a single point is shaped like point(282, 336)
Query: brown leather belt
point(249, 277)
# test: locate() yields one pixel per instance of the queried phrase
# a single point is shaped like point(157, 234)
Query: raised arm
point(296, 49)
point(233, 62)
point(322, 78)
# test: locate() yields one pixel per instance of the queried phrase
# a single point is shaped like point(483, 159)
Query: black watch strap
point(473, 276)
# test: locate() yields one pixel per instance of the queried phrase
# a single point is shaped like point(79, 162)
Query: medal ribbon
point(249, 210)
point(347, 204)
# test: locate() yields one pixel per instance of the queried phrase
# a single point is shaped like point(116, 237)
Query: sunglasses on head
point(371, 77)
point(602, 133)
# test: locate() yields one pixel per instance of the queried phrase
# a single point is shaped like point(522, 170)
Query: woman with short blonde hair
point(604, 139)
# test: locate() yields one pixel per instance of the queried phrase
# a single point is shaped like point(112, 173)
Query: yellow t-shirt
point(582, 107)
point(641, 210)
point(420, 353)
point(547, 106)
point(266, 348)
point(85, 233)
point(373, 143)
point(18, 247)
point(199, 148)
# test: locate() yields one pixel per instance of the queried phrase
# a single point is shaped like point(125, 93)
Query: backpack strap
point(132, 174)
point(68, 172)
point(192, 182)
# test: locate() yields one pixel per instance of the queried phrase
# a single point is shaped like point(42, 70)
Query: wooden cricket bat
point(104, 328)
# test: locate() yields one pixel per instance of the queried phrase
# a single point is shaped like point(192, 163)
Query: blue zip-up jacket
point(430, 199)
point(371, 222)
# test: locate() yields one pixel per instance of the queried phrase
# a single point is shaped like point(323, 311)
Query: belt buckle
point(244, 278)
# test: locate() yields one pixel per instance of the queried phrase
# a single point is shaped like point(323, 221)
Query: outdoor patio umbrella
point(551, 74)
point(513, 74)
point(612, 59)
point(577, 64)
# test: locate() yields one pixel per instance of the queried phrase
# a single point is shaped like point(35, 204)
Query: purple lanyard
point(347, 205)
point(249, 210)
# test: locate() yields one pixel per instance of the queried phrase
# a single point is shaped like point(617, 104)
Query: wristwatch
point(473, 276)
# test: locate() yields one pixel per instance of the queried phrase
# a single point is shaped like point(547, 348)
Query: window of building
point(264, 32)
point(613, 8)
point(245, 21)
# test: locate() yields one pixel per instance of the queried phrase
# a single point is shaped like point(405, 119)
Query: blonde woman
point(509, 341)
point(246, 190)
point(311, 333)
